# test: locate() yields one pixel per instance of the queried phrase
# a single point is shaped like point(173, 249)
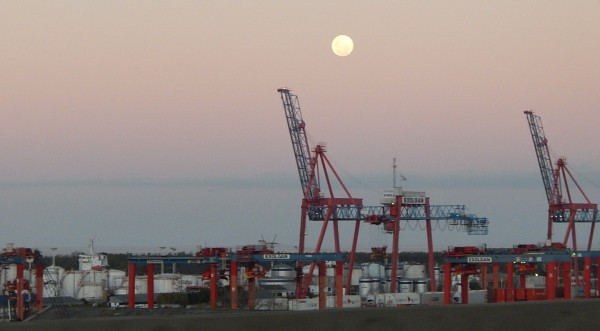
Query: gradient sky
point(158, 123)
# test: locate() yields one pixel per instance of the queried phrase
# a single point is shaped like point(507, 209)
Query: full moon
point(342, 45)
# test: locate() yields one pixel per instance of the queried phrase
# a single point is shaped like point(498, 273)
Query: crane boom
point(297, 130)
point(540, 143)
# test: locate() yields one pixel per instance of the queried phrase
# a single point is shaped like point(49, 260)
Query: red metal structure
point(556, 177)
point(555, 264)
point(248, 257)
point(220, 252)
point(316, 172)
point(149, 262)
point(465, 250)
point(314, 205)
point(19, 290)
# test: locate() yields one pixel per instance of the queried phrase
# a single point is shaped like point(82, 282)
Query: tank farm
point(259, 277)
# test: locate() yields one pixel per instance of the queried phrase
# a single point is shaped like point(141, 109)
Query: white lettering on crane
point(276, 256)
point(413, 200)
point(479, 259)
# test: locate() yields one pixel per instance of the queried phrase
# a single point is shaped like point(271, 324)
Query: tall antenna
point(394, 170)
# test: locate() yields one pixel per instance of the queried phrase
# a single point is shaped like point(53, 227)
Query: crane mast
point(297, 130)
point(540, 144)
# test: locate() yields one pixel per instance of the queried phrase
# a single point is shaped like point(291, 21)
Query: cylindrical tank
point(278, 283)
point(92, 291)
point(414, 271)
point(329, 273)
point(355, 275)
point(140, 286)
point(83, 284)
point(71, 281)
point(166, 283)
point(368, 286)
point(52, 277)
point(92, 285)
point(116, 278)
point(405, 285)
point(376, 285)
point(421, 285)
point(386, 285)
point(399, 271)
point(364, 287)
point(373, 270)
point(283, 271)
point(121, 291)
point(189, 281)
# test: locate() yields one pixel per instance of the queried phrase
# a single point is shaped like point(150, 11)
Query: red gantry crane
point(315, 167)
point(314, 205)
point(556, 177)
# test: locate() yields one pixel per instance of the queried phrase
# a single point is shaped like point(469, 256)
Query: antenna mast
point(394, 169)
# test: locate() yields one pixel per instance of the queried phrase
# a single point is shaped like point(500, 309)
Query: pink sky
point(158, 123)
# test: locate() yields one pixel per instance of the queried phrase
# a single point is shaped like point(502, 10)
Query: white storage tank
point(92, 291)
point(167, 283)
point(71, 282)
point(405, 285)
point(315, 274)
point(121, 291)
point(355, 275)
point(386, 286)
point(373, 270)
point(438, 279)
point(141, 284)
point(369, 286)
point(376, 286)
point(83, 284)
point(278, 283)
point(364, 287)
point(283, 271)
point(421, 285)
point(116, 278)
point(399, 271)
point(414, 271)
point(189, 281)
point(52, 277)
